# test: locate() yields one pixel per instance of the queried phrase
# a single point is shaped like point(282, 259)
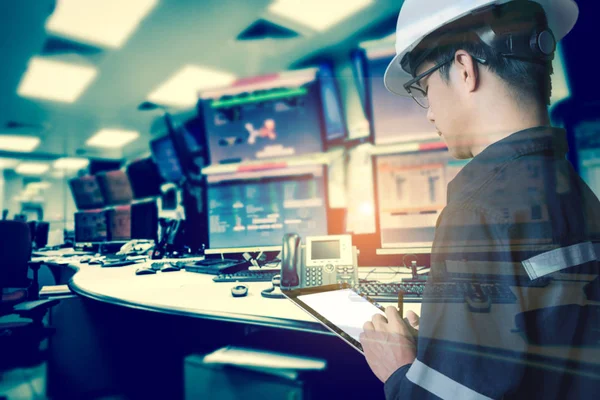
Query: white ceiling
point(174, 34)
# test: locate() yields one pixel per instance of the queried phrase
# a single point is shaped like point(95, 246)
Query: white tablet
point(339, 308)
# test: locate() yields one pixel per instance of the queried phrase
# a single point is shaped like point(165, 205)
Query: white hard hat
point(419, 18)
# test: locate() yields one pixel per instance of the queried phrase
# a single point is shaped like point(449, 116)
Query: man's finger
point(413, 319)
point(392, 314)
point(379, 321)
point(368, 326)
point(396, 323)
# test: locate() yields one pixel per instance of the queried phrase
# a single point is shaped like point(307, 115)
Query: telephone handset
point(290, 256)
point(324, 260)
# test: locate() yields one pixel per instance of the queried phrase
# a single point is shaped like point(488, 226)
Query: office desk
point(193, 295)
point(196, 297)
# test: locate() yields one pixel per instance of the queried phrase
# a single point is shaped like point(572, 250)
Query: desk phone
point(323, 260)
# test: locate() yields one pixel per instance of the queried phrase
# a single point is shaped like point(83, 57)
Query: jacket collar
point(480, 169)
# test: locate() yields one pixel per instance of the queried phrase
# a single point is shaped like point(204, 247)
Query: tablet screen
point(342, 309)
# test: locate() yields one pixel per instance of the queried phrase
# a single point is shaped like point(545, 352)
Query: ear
point(468, 73)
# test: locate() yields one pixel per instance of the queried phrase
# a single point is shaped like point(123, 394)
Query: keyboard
point(216, 266)
point(247, 276)
point(176, 261)
point(448, 292)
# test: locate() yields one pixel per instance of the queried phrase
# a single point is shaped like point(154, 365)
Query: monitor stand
point(416, 278)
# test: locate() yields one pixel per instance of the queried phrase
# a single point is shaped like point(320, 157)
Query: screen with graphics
point(274, 123)
point(166, 160)
point(411, 193)
point(256, 210)
point(86, 192)
point(115, 187)
point(335, 126)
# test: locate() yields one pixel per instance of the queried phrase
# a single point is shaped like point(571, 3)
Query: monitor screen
point(411, 193)
point(118, 221)
point(166, 160)
point(115, 187)
point(275, 123)
point(144, 178)
point(394, 118)
point(144, 220)
point(258, 211)
point(335, 126)
point(86, 192)
point(90, 226)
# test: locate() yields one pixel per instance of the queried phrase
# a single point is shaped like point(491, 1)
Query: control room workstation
point(250, 201)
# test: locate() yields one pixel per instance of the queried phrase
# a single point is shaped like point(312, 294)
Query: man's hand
point(388, 343)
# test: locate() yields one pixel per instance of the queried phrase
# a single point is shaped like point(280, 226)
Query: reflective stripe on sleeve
point(559, 259)
point(439, 384)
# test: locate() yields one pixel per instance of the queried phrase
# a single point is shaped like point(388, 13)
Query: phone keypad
point(314, 276)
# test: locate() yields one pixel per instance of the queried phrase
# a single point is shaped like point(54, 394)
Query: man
point(517, 211)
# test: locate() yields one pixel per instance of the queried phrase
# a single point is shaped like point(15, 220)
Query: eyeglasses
point(416, 91)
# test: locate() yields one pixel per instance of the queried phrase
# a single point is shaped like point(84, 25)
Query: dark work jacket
point(517, 212)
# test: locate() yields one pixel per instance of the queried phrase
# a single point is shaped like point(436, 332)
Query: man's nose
point(430, 116)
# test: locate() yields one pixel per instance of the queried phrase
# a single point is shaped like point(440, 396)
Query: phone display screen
point(325, 250)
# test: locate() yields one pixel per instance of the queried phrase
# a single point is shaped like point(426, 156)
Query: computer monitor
point(163, 154)
point(118, 222)
point(144, 178)
point(86, 192)
point(393, 118)
point(90, 226)
point(264, 123)
point(41, 234)
point(115, 187)
point(256, 210)
point(333, 117)
point(144, 220)
point(411, 193)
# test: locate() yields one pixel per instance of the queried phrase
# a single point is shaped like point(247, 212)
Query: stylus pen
point(401, 303)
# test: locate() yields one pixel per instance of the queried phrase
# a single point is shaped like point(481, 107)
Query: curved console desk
point(188, 294)
point(196, 295)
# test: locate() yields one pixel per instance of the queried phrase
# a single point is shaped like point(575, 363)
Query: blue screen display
point(394, 118)
point(264, 124)
point(166, 160)
point(332, 108)
point(259, 211)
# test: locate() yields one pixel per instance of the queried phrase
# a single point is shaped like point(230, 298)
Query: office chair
point(20, 341)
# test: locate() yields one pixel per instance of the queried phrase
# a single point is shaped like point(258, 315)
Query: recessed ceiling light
point(37, 186)
point(106, 23)
point(69, 163)
point(112, 138)
point(18, 143)
point(317, 14)
point(55, 80)
point(8, 163)
point(32, 168)
point(181, 89)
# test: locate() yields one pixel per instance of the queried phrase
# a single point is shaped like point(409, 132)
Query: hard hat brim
point(561, 15)
point(395, 77)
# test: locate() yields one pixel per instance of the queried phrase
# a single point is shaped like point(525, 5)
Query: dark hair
point(526, 79)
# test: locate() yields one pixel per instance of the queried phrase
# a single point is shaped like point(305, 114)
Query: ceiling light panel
point(317, 14)
point(112, 138)
point(55, 80)
point(8, 163)
point(18, 143)
point(108, 23)
point(32, 168)
point(70, 163)
point(181, 89)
